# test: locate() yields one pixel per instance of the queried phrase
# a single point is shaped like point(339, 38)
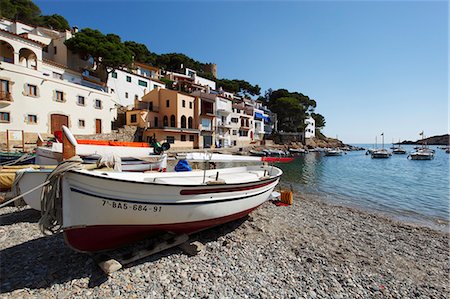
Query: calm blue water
point(412, 191)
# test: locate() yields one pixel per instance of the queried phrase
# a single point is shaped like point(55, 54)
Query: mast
point(382, 140)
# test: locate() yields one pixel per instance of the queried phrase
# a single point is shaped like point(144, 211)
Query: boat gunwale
point(100, 176)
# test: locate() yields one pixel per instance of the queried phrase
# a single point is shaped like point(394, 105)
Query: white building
point(310, 129)
point(223, 121)
point(38, 95)
point(128, 86)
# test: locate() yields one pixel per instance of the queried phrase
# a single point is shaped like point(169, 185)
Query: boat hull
point(103, 237)
point(101, 213)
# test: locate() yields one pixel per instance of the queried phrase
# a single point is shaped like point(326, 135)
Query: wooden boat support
point(113, 261)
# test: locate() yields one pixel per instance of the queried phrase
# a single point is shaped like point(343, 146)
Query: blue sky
point(372, 66)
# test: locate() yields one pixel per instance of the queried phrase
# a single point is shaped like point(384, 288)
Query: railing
point(5, 96)
point(146, 106)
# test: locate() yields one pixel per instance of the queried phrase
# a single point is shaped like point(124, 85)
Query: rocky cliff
point(434, 140)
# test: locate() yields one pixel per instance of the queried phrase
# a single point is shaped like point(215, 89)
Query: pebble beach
point(312, 249)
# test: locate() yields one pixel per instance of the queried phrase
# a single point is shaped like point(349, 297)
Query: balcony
point(5, 99)
point(146, 106)
point(223, 124)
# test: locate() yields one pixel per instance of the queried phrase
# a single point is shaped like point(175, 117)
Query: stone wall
point(127, 133)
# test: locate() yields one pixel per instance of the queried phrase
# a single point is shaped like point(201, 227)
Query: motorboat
point(274, 152)
point(333, 152)
point(298, 151)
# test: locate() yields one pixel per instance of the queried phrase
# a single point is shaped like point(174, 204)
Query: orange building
point(168, 115)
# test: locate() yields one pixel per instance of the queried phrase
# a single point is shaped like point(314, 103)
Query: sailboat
point(381, 153)
point(398, 150)
point(423, 152)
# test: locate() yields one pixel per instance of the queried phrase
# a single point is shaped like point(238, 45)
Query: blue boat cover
point(183, 165)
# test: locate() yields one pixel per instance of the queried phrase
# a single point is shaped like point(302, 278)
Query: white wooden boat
point(132, 158)
point(106, 210)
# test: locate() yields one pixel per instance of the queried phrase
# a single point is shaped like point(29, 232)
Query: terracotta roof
point(23, 37)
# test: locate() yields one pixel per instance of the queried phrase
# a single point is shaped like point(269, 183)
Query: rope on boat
point(22, 158)
point(111, 161)
point(51, 197)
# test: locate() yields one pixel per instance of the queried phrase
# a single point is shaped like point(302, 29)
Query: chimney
point(208, 89)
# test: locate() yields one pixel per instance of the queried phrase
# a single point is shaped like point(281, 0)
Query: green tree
point(107, 51)
point(22, 10)
point(140, 52)
point(319, 120)
point(290, 114)
point(239, 86)
point(55, 21)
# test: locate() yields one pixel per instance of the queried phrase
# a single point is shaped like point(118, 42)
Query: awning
point(261, 116)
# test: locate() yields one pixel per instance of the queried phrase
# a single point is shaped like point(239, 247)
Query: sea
point(407, 190)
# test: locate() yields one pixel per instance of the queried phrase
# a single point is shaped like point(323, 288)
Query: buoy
point(287, 197)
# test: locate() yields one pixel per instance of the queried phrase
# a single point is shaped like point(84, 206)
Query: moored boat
point(107, 210)
point(333, 152)
point(423, 152)
point(381, 153)
point(133, 158)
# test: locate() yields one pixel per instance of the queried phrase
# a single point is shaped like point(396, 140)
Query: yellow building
point(168, 115)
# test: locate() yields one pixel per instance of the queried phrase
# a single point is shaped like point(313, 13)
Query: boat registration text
point(134, 207)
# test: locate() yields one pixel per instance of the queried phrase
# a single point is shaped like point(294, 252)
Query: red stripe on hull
point(104, 237)
point(220, 190)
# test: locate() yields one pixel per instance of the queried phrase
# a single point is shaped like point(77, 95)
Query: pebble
point(311, 249)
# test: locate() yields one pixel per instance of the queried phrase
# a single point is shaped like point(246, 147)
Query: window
point(183, 137)
point(126, 95)
point(32, 119)
point(165, 121)
point(172, 121)
point(59, 96)
point(150, 106)
point(235, 132)
point(191, 137)
point(183, 103)
point(155, 86)
point(4, 86)
point(57, 76)
point(81, 101)
point(4, 117)
point(45, 49)
point(55, 50)
point(133, 118)
point(114, 75)
point(183, 121)
point(167, 103)
point(234, 143)
point(156, 122)
point(32, 90)
point(190, 120)
point(170, 139)
point(128, 79)
point(142, 83)
point(98, 104)
point(190, 105)
point(81, 123)
point(136, 97)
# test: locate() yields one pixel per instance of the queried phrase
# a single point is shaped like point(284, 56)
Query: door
point(98, 126)
point(207, 141)
point(57, 121)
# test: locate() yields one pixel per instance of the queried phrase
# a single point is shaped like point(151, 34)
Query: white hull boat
point(132, 158)
point(333, 152)
point(422, 154)
point(102, 211)
point(381, 154)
